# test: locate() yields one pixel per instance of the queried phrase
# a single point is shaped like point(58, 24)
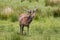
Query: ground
point(43, 29)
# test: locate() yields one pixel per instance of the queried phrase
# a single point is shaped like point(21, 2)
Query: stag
point(25, 19)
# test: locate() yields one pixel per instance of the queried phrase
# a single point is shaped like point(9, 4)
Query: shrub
point(56, 12)
point(4, 16)
point(14, 17)
point(52, 2)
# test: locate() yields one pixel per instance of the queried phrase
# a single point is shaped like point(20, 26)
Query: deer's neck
point(29, 19)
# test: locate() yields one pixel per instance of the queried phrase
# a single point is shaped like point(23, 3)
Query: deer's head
point(32, 12)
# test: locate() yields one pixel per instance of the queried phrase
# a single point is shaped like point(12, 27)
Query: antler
point(35, 9)
point(25, 9)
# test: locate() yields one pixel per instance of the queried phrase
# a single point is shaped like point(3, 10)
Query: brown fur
point(25, 19)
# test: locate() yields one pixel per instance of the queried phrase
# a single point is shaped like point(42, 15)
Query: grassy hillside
point(43, 29)
point(45, 26)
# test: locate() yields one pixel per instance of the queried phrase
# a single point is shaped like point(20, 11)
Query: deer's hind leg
point(21, 29)
point(28, 29)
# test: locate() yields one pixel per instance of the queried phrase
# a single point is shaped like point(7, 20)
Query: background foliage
point(45, 26)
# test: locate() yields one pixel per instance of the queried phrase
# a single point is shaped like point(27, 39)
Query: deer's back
point(23, 18)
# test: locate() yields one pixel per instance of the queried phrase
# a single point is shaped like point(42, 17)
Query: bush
point(14, 17)
point(56, 12)
point(4, 16)
point(52, 2)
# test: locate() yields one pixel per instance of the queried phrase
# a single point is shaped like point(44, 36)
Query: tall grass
point(43, 29)
point(19, 7)
point(45, 26)
point(14, 17)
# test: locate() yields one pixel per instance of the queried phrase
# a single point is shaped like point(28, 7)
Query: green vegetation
point(45, 26)
point(44, 29)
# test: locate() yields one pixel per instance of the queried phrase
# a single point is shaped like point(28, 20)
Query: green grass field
point(43, 29)
point(45, 26)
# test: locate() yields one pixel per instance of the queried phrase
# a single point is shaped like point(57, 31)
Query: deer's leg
point(21, 29)
point(28, 29)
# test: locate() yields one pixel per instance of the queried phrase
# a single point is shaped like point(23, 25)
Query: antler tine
point(36, 7)
point(26, 9)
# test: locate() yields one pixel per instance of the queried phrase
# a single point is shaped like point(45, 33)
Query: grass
point(43, 29)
